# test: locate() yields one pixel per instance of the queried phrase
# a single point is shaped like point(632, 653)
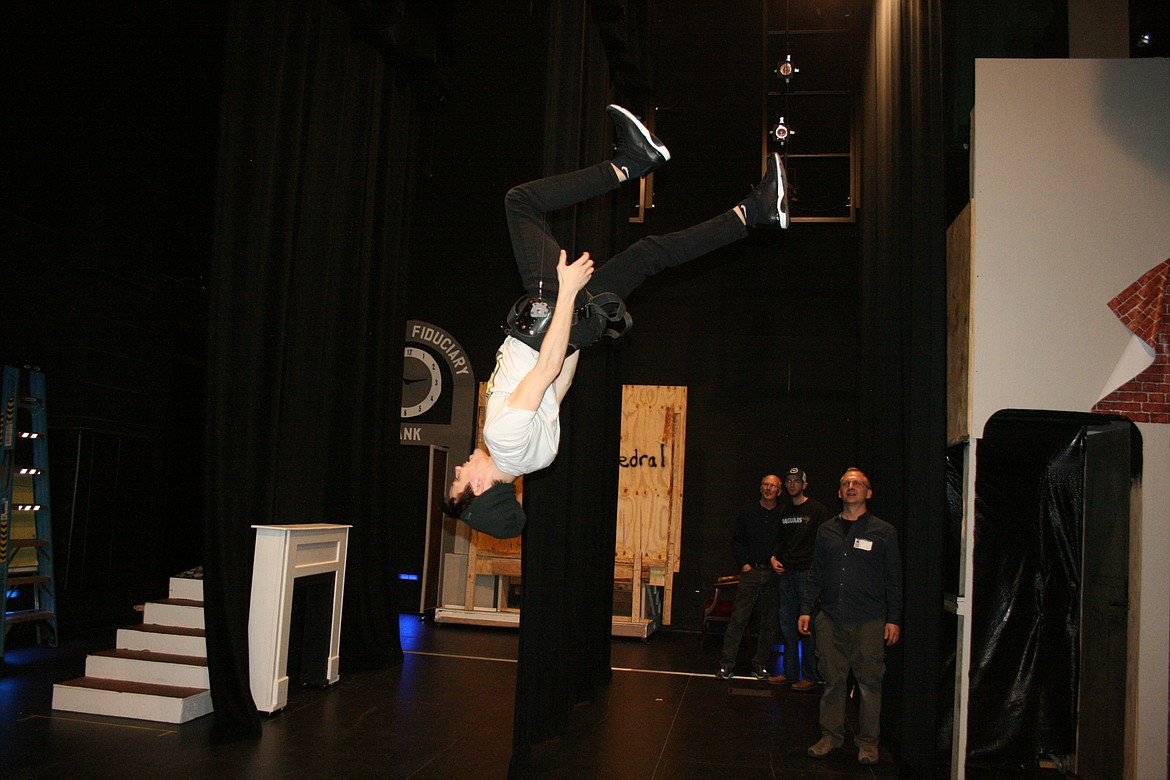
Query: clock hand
point(406, 381)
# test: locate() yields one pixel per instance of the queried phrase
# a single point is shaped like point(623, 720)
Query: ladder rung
point(18, 543)
point(27, 615)
point(35, 579)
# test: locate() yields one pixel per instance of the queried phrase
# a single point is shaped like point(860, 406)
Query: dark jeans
point(537, 250)
point(861, 648)
point(802, 663)
point(757, 588)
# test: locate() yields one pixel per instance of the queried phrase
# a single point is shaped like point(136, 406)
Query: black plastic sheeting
point(1029, 497)
point(949, 629)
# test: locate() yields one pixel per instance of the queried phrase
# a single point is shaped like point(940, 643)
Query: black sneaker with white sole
point(638, 151)
point(768, 202)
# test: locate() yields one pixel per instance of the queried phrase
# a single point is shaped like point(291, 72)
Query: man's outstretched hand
point(529, 392)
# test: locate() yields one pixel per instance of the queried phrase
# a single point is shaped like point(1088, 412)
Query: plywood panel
point(959, 327)
point(650, 483)
point(651, 421)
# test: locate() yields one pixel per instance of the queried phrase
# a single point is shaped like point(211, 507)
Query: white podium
point(284, 553)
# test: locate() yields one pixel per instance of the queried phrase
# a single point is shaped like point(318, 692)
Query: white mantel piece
point(283, 553)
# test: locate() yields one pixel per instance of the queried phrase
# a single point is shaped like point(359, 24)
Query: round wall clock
point(422, 381)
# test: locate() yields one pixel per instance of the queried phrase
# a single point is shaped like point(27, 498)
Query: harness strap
point(613, 309)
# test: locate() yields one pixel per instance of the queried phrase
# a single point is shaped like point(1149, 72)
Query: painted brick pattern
point(1144, 308)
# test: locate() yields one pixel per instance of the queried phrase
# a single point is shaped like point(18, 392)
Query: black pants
point(537, 251)
point(758, 588)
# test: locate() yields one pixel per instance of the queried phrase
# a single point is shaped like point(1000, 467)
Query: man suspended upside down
point(572, 309)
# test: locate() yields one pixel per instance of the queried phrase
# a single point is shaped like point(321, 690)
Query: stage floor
point(445, 713)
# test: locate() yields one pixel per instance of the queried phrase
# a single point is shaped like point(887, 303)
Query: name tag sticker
point(863, 544)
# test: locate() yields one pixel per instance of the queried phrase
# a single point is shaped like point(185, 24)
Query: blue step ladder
point(26, 529)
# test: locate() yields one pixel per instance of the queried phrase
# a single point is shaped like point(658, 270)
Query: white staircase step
point(161, 703)
point(174, 640)
point(144, 666)
point(174, 612)
point(158, 671)
point(186, 588)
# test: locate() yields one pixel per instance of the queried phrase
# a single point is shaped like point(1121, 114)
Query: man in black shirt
point(857, 575)
point(753, 542)
point(799, 521)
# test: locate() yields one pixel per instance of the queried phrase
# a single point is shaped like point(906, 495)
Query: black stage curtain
point(319, 146)
point(902, 421)
point(567, 559)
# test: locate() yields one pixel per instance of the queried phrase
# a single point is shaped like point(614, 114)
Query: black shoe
point(638, 150)
point(760, 673)
point(724, 673)
point(768, 202)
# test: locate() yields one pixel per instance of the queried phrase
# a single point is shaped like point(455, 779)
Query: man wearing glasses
point(753, 542)
point(857, 576)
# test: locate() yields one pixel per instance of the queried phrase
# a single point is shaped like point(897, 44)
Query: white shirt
point(522, 441)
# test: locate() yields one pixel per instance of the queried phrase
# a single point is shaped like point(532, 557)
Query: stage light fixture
point(786, 70)
point(781, 131)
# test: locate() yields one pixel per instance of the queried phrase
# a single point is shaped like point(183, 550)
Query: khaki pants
point(862, 649)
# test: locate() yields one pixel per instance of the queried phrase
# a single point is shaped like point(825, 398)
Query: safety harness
point(529, 319)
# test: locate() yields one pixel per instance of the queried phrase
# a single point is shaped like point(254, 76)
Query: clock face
point(422, 381)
